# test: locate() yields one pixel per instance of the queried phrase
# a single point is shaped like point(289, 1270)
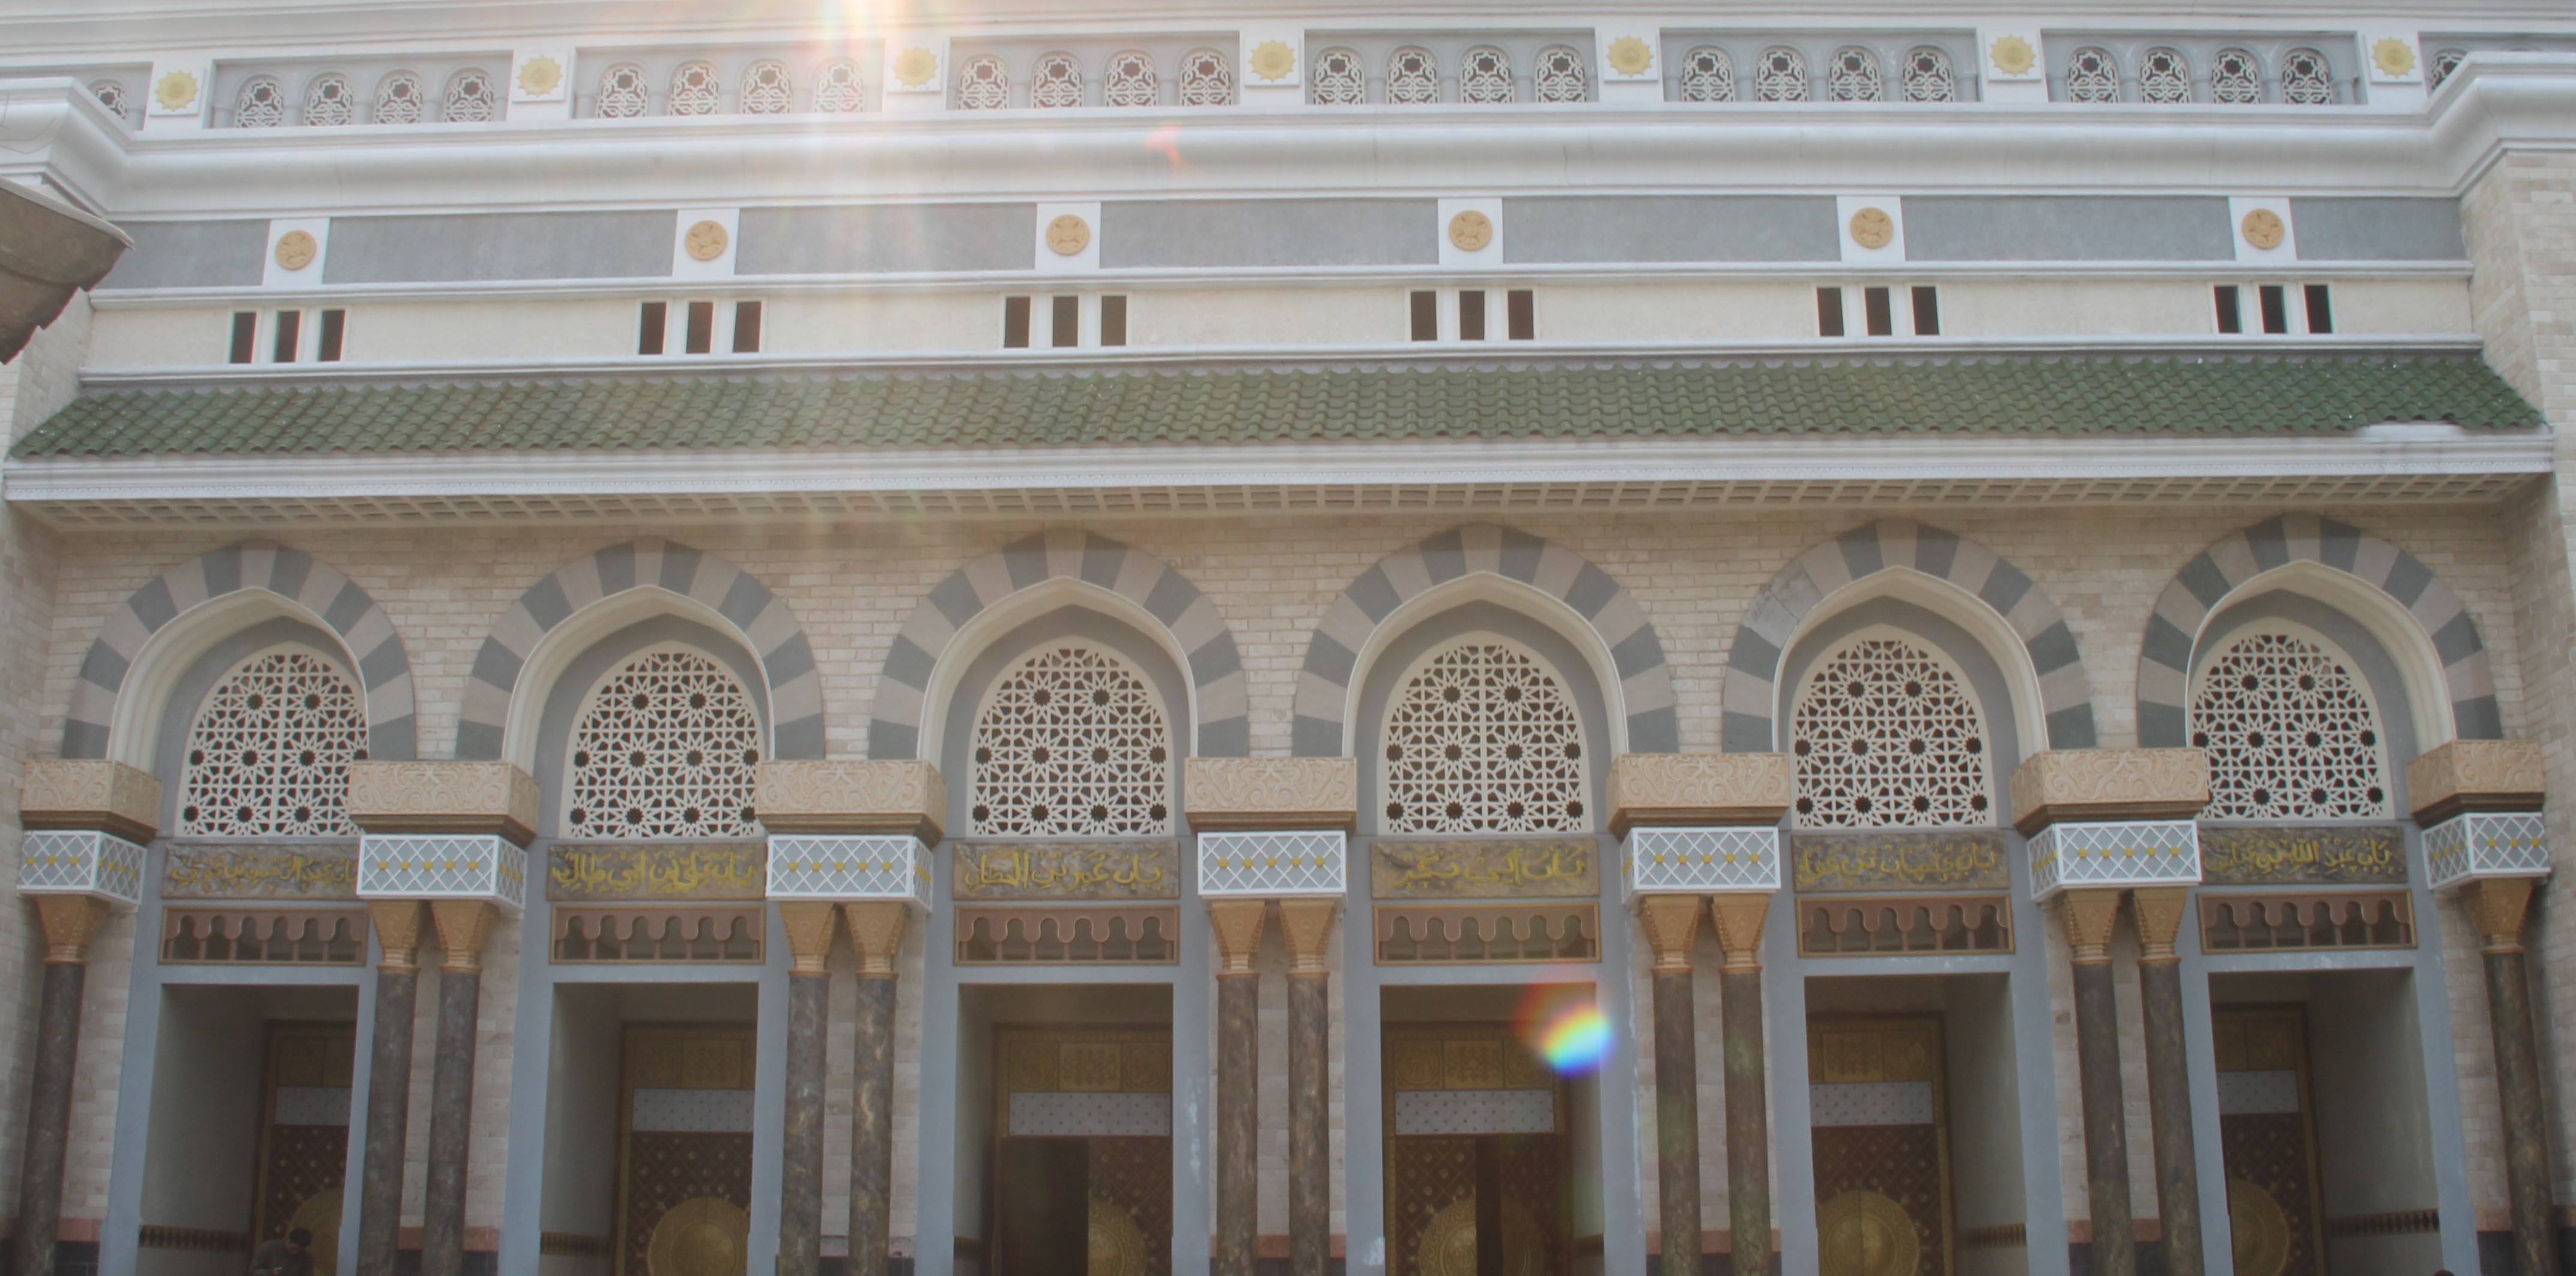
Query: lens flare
point(1566, 1027)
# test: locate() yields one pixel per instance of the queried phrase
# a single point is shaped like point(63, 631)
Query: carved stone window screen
point(2306, 78)
point(471, 98)
point(1853, 76)
point(1905, 926)
point(1886, 733)
point(693, 90)
point(1485, 76)
point(1708, 75)
point(1207, 78)
point(767, 89)
point(2445, 61)
point(1482, 737)
point(1131, 80)
point(594, 934)
point(261, 103)
point(269, 753)
point(2306, 922)
point(664, 748)
point(838, 89)
point(111, 94)
point(1486, 934)
point(1560, 77)
point(2092, 75)
point(1055, 81)
point(2291, 733)
point(1071, 742)
point(264, 936)
point(2236, 77)
point(2164, 76)
point(1928, 76)
point(1781, 75)
point(622, 93)
point(983, 84)
point(1070, 935)
point(329, 101)
point(1412, 77)
point(1338, 79)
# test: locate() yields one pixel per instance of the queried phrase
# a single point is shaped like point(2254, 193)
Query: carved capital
point(443, 797)
point(1698, 789)
point(464, 926)
point(808, 924)
point(1307, 925)
point(876, 930)
point(1272, 793)
point(398, 923)
point(69, 921)
point(2496, 906)
point(2476, 775)
point(2089, 915)
point(1671, 922)
point(850, 795)
point(1237, 923)
point(95, 795)
point(2109, 784)
point(2159, 913)
point(1739, 928)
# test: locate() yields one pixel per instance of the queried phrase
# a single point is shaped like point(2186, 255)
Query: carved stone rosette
point(2109, 785)
point(1658, 789)
point(851, 796)
point(443, 797)
point(1272, 793)
point(108, 797)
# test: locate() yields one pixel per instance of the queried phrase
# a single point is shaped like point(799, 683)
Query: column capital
point(1237, 926)
point(69, 921)
point(2466, 776)
point(89, 794)
point(851, 796)
point(1698, 789)
point(398, 923)
point(2107, 785)
point(2090, 913)
point(876, 930)
point(1272, 793)
point(2159, 914)
point(1671, 922)
point(808, 924)
point(2496, 906)
point(1307, 925)
point(464, 926)
point(1739, 928)
point(493, 798)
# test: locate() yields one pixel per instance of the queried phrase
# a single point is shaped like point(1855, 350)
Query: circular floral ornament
point(706, 241)
point(1068, 235)
point(2394, 57)
point(1873, 228)
point(1863, 1233)
point(1471, 231)
point(1631, 56)
point(540, 76)
point(175, 91)
point(2012, 55)
point(2264, 229)
point(1273, 60)
point(296, 249)
point(2261, 1227)
point(914, 67)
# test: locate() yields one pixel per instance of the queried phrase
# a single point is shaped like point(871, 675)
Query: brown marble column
point(1748, 1103)
point(800, 1184)
point(2089, 915)
point(2497, 905)
point(1237, 926)
point(398, 927)
point(1670, 923)
point(463, 926)
point(69, 922)
point(2159, 912)
point(876, 930)
point(1307, 925)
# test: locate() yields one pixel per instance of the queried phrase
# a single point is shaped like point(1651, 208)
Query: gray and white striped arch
point(767, 628)
point(1216, 668)
point(1636, 654)
point(2165, 656)
point(1753, 665)
point(373, 648)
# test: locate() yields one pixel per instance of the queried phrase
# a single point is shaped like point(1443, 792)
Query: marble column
point(1237, 925)
point(69, 922)
point(2089, 914)
point(398, 926)
point(1748, 1110)
point(2159, 912)
point(2498, 905)
point(808, 926)
point(1670, 923)
point(876, 930)
point(463, 926)
point(1307, 925)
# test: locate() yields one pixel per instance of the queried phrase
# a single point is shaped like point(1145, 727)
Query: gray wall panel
point(887, 238)
point(191, 255)
point(1611, 228)
point(1981, 228)
point(1270, 232)
point(2378, 229)
point(404, 250)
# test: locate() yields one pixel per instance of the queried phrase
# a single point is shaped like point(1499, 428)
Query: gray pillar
point(2089, 914)
point(462, 927)
point(876, 929)
point(69, 921)
point(1748, 1111)
point(1237, 925)
point(380, 1186)
point(2159, 913)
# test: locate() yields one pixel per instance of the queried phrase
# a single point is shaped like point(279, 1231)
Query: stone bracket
point(90, 794)
point(1272, 793)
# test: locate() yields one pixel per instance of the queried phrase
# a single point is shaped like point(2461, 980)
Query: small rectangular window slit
point(2320, 309)
point(1426, 316)
point(653, 327)
point(1880, 310)
point(245, 335)
point(2231, 309)
point(335, 329)
point(1113, 321)
point(1015, 323)
point(1471, 314)
point(290, 332)
point(746, 327)
point(702, 327)
point(1520, 315)
point(2276, 308)
point(1927, 311)
point(1068, 321)
point(1829, 312)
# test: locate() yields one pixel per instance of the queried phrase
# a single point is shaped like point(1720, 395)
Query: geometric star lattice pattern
point(665, 749)
point(1887, 736)
point(2289, 733)
point(1071, 743)
point(1483, 739)
point(269, 755)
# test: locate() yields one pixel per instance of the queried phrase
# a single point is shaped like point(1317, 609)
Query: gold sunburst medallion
point(175, 91)
point(701, 1236)
point(914, 67)
point(2394, 57)
point(1117, 1244)
point(1631, 56)
point(1272, 60)
point(320, 1215)
point(540, 75)
point(2261, 1229)
point(1865, 1234)
point(2013, 55)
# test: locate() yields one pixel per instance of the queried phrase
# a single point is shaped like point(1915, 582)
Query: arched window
point(766, 90)
point(2164, 76)
point(693, 90)
point(329, 101)
point(261, 104)
point(2307, 79)
point(622, 95)
point(470, 98)
point(1131, 80)
point(2235, 77)
point(837, 89)
point(664, 748)
point(2291, 733)
point(1928, 77)
point(110, 94)
point(1055, 81)
point(1485, 76)
point(2092, 75)
point(1412, 76)
point(1853, 76)
point(1337, 80)
point(1207, 78)
point(983, 84)
point(1708, 75)
point(1483, 738)
point(1780, 75)
point(1560, 75)
point(1887, 733)
point(1071, 742)
point(2445, 61)
point(270, 751)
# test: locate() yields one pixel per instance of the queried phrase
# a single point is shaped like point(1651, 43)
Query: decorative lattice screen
point(269, 754)
point(1888, 735)
point(1484, 739)
point(1071, 743)
point(664, 749)
point(2290, 734)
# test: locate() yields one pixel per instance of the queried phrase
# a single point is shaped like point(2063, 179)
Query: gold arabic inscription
point(1877, 861)
point(624, 870)
point(1548, 868)
point(2279, 856)
point(1068, 870)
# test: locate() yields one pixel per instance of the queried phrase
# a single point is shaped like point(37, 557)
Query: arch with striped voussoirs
point(149, 639)
point(1977, 586)
point(1064, 567)
point(621, 585)
point(2389, 592)
point(1517, 570)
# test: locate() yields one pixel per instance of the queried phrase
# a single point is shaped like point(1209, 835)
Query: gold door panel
point(684, 1151)
point(304, 1135)
point(1476, 1140)
point(1881, 1134)
point(2268, 1137)
point(1082, 1164)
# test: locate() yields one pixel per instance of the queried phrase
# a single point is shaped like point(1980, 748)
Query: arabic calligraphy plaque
point(236, 870)
point(1899, 859)
point(1523, 868)
point(657, 870)
point(1069, 870)
point(2275, 855)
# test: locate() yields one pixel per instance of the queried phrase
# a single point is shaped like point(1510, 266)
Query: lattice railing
point(1409, 934)
point(264, 936)
point(1146, 934)
point(2278, 923)
point(1904, 926)
point(632, 933)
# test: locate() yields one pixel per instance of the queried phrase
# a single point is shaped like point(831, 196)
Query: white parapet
point(484, 866)
point(1274, 865)
point(849, 867)
point(2084, 856)
point(2478, 845)
point(1702, 861)
point(81, 862)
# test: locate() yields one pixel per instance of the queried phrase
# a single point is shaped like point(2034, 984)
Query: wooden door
point(2267, 1134)
point(304, 1135)
point(1879, 1110)
point(1476, 1154)
point(684, 1151)
point(1082, 1161)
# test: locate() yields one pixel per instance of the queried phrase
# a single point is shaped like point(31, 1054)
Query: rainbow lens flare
point(1566, 1026)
